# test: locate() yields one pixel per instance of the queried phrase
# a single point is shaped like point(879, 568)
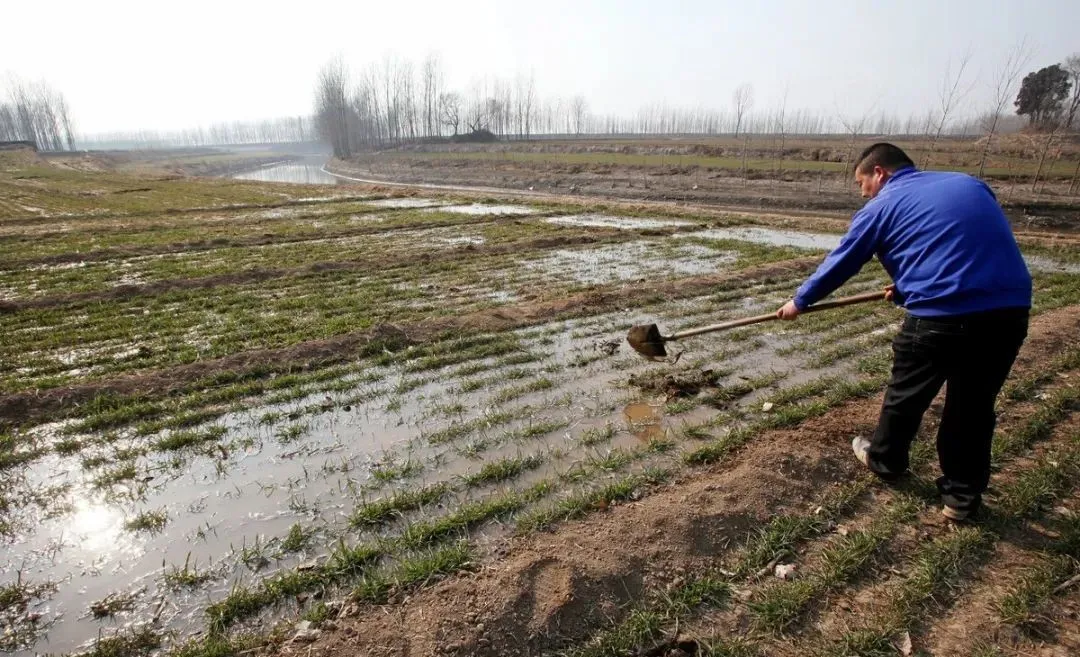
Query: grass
point(188, 576)
point(297, 539)
point(1037, 487)
point(18, 594)
point(178, 440)
point(424, 533)
point(401, 501)
point(643, 626)
point(1038, 425)
point(503, 469)
point(415, 569)
point(128, 642)
point(780, 536)
point(148, 521)
point(578, 504)
point(598, 435)
point(1026, 600)
point(776, 608)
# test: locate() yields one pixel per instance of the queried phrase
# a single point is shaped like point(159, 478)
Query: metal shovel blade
point(647, 341)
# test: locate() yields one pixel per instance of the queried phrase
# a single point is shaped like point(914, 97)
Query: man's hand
point(788, 311)
point(890, 292)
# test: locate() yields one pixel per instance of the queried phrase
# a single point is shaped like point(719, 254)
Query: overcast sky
point(131, 65)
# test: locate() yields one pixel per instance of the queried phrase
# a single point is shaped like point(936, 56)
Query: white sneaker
point(861, 447)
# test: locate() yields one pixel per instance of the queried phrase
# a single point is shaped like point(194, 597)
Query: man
point(957, 270)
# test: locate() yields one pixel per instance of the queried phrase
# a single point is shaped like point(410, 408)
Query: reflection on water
point(97, 527)
point(309, 173)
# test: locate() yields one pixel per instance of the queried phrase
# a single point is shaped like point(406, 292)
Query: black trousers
point(971, 355)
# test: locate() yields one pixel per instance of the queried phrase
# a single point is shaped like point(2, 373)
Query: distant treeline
point(396, 102)
point(269, 131)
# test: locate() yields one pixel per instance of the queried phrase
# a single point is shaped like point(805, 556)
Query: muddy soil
point(545, 591)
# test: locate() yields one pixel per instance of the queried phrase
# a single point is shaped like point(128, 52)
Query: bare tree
point(953, 90)
point(332, 107)
point(579, 109)
point(1015, 62)
point(450, 111)
point(742, 99)
point(430, 77)
point(1072, 67)
point(779, 128)
point(37, 113)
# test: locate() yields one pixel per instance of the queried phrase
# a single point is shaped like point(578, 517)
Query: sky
point(126, 66)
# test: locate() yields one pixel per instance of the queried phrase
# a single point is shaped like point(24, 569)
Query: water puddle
point(644, 421)
point(635, 260)
point(293, 172)
point(607, 221)
point(405, 202)
point(483, 209)
point(771, 236)
point(474, 240)
point(1050, 266)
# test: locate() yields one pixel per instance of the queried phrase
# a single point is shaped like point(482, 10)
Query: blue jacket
point(944, 240)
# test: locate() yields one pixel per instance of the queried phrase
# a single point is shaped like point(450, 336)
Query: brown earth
point(30, 407)
point(550, 590)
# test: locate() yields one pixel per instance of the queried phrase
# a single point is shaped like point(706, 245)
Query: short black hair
point(884, 155)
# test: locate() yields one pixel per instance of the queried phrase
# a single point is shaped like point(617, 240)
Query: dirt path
point(551, 590)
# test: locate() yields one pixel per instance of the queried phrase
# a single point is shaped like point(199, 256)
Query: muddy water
point(644, 421)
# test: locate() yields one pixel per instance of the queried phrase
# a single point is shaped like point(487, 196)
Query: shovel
point(647, 341)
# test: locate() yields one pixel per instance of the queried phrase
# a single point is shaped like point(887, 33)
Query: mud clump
point(676, 384)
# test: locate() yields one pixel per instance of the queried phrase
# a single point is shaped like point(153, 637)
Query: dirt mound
point(685, 383)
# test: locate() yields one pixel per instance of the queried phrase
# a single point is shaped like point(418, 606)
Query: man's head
point(876, 164)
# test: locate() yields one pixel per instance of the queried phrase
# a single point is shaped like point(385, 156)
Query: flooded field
point(233, 419)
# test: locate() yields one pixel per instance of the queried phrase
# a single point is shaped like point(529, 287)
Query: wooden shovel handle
point(746, 321)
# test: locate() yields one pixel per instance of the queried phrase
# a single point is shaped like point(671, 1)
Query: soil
point(545, 591)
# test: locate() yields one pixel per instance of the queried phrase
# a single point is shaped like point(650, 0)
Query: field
point(247, 418)
point(789, 173)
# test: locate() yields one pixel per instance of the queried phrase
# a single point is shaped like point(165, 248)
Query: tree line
point(395, 102)
point(37, 113)
point(233, 133)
